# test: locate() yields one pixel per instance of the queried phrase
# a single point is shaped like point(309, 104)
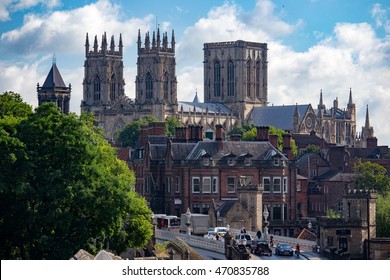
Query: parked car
point(261, 247)
point(284, 249)
point(210, 235)
point(221, 231)
point(244, 239)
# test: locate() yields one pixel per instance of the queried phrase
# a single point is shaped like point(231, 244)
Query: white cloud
point(353, 56)
point(42, 33)
point(10, 6)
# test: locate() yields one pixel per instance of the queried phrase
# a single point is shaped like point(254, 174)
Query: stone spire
point(86, 44)
point(120, 44)
point(367, 123)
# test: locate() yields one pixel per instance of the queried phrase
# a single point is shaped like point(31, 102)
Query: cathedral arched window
point(149, 86)
point(113, 88)
point(96, 89)
point(258, 77)
point(230, 78)
point(166, 86)
point(217, 78)
point(248, 78)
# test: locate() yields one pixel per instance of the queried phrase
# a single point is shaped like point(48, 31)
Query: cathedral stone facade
point(235, 91)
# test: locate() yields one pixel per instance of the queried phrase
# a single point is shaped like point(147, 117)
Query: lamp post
point(188, 223)
point(266, 223)
point(218, 217)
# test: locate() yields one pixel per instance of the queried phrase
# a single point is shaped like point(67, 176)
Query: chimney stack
point(218, 136)
point(287, 145)
point(262, 133)
point(273, 139)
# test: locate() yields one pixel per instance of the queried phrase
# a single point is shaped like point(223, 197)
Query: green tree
point(170, 125)
point(383, 216)
point(250, 134)
point(310, 149)
point(11, 104)
point(129, 135)
point(372, 176)
point(64, 189)
point(330, 213)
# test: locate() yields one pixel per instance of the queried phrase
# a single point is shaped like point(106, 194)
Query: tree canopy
point(249, 133)
point(129, 135)
point(62, 188)
point(374, 176)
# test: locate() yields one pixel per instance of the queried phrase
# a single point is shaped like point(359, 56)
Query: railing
point(217, 246)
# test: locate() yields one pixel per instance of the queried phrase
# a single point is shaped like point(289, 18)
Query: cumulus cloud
point(10, 6)
point(42, 33)
point(353, 56)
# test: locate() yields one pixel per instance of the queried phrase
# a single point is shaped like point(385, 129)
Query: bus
point(167, 222)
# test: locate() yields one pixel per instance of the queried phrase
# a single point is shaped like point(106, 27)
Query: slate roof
point(54, 78)
point(258, 150)
point(203, 107)
point(280, 117)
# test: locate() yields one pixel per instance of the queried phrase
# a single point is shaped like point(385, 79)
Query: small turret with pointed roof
point(139, 42)
point(54, 89)
point(321, 105)
point(158, 39)
point(104, 43)
point(112, 44)
point(120, 44)
point(351, 108)
point(173, 40)
point(95, 45)
point(296, 119)
point(367, 122)
point(86, 44)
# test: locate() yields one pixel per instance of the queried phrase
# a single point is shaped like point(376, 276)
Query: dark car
point(260, 247)
point(284, 249)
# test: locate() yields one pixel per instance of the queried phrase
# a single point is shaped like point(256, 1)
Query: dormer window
point(230, 161)
point(206, 161)
point(248, 161)
point(276, 161)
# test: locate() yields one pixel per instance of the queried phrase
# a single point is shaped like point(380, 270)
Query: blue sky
point(313, 44)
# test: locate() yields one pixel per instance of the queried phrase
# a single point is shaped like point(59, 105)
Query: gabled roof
point(280, 117)
point(259, 150)
point(54, 78)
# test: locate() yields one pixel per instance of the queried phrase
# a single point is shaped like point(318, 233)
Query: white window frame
point(227, 184)
point(285, 185)
point(269, 180)
point(206, 161)
point(276, 161)
point(177, 184)
point(273, 184)
point(248, 162)
point(193, 184)
point(299, 186)
point(168, 184)
point(230, 161)
point(214, 185)
point(204, 184)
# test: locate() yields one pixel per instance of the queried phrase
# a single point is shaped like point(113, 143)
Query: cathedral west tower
point(156, 83)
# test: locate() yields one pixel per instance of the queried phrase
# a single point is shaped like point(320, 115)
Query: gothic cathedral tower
point(156, 83)
point(235, 73)
point(103, 83)
point(54, 90)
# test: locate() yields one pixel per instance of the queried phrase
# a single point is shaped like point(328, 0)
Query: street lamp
point(188, 223)
point(218, 217)
point(266, 223)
